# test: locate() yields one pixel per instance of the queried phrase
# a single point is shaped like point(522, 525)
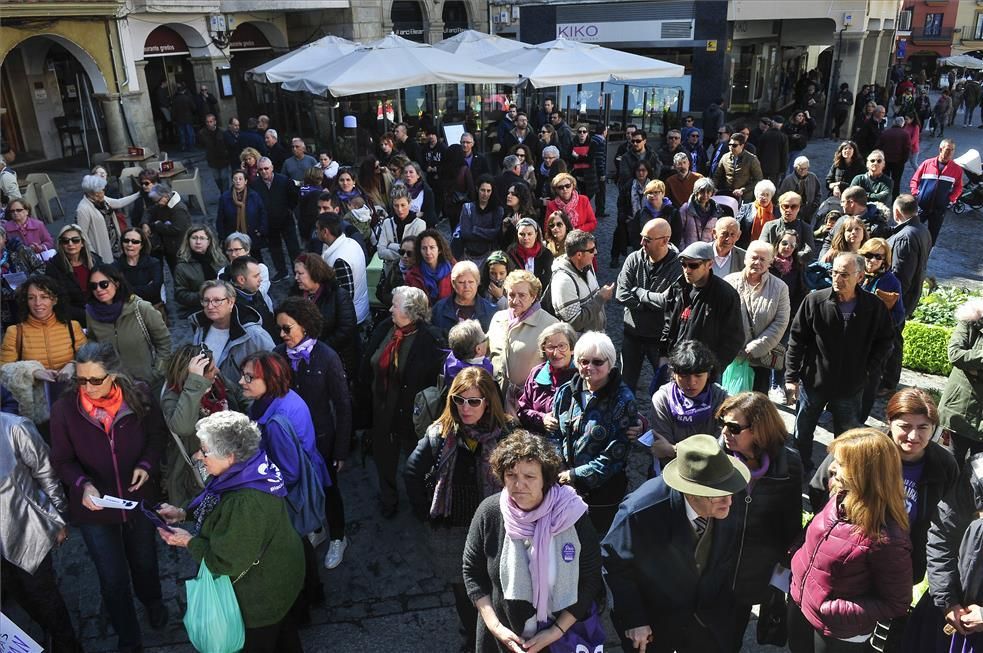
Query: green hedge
point(926, 348)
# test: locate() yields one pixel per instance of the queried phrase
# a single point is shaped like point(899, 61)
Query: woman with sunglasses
point(135, 329)
point(594, 411)
point(576, 206)
point(527, 163)
point(145, 181)
point(557, 227)
point(770, 513)
point(199, 260)
point(109, 407)
point(580, 159)
point(143, 272)
point(70, 268)
point(30, 231)
point(319, 378)
point(687, 404)
point(449, 474)
point(193, 389)
point(879, 280)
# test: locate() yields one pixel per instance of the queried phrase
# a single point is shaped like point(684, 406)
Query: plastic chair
point(128, 174)
point(48, 192)
point(30, 195)
point(188, 188)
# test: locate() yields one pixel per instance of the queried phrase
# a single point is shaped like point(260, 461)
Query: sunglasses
point(406, 253)
point(593, 362)
point(146, 183)
point(874, 255)
point(101, 285)
point(285, 328)
point(74, 240)
point(692, 265)
point(520, 155)
point(565, 186)
point(203, 350)
point(637, 140)
point(81, 381)
point(132, 241)
point(472, 402)
point(544, 131)
point(734, 428)
point(790, 206)
point(581, 131)
point(647, 239)
point(875, 160)
point(733, 144)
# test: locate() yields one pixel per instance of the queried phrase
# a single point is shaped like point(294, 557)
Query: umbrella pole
point(399, 105)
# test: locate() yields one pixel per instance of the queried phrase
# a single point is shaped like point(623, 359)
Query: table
point(179, 169)
point(127, 158)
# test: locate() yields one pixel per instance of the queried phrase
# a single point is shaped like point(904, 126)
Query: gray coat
point(30, 524)
point(910, 246)
point(246, 335)
point(643, 319)
point(765, 313)
point(961, 406)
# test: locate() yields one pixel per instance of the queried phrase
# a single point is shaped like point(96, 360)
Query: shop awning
point(962, 61)
point(303, 60)
point(476, 45)
point(393, 63)
point(561, 62)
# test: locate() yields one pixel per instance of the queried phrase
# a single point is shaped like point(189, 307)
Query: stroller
point(972, 195)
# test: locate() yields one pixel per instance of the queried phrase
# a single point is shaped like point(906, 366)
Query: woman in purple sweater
point(535, 405)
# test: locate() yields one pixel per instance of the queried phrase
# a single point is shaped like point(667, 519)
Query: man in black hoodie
point(244, 274)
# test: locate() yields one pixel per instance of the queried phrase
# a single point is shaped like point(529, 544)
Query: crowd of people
point(485, 359)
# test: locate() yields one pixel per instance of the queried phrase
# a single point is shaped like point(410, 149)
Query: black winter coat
point(542, 265)
point(831, 358)
point(58, 270)
point(939, 477)
point(340, 329)
point(146, 278)
point(714, 318)
point(279, 198)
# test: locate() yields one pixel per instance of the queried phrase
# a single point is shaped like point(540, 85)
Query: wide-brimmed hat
point(703, 469)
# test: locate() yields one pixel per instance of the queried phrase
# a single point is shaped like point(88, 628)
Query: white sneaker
point(336, 553)
point(317, 537)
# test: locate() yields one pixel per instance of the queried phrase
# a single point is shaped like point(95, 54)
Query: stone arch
point(35, 64)
point(428, 9)
point(194, 39)
point(277, 39)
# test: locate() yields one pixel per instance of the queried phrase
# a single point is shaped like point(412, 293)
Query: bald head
point(655, 239)
point(725, 235)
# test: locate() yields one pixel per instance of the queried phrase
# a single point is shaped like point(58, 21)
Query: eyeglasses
point(520, 155)
point(82, 381)
point(406, 253)
point(199, 238)
point(593, 362)
point(235, 250)
point(874, 255)
point(101, 285)
point(672, 138)
point(875, 160)
point(214, 302)
point(592, 250)
point(734, 428)
point(472, 402)
point(17, 210)
point(74, 240)
point(647, 239)
point(132, 241)
point(790, 206)
point(637, 140)
point(203, 350)
point(581, 131)
point(733, 144)
point(248, 378)
point(285, 328)
point(692, 265)
point(560, 348)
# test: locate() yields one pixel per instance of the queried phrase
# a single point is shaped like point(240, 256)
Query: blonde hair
point(871, 477)
point(655, 186)
point(467, 379)
point(524, 276)
point(561, 178)
point(879, 246)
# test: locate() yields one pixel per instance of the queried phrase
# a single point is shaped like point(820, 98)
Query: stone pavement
point(385, 595)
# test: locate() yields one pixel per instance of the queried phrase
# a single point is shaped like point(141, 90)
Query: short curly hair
point(523, 446)
point(305, 313)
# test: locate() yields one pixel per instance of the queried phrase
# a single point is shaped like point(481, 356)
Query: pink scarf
point(560, 509)
point(516, 319)
point(570, 208)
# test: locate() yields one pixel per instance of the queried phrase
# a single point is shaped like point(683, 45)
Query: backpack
point(546, 301)
point(427, 406)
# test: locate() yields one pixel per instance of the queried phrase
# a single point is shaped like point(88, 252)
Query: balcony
point(936, 3)
point(920, 36)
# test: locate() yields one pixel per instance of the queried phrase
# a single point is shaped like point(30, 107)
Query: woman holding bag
point(517, 539)
point(241, 530)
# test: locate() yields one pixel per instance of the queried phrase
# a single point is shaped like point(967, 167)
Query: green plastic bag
point(738, 377)
point(213, 620)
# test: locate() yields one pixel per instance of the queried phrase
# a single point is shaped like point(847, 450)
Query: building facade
point(925, 32)
point(967, 37)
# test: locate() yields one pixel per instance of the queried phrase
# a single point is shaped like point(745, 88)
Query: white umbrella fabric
point(394, 63)
point(963, 61)
point(477, 45)
point(561, 62)
point(303, 60)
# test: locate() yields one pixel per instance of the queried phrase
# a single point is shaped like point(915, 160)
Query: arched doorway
point(249, 47)
point(168, 66)
point(47, 104)
point(455, 17)
point(407, 19)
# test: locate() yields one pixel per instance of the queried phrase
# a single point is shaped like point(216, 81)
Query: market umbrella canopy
point(476, 45)
point(393, 63)
point(562, 61)
point(963, 61)
point(303, 60)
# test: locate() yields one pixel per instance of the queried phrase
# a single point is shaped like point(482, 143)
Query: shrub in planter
point(926, 348)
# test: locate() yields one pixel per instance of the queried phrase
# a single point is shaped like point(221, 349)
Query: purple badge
point(568, 552)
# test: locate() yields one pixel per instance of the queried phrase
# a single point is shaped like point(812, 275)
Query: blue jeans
point(221, 176)
point(845, 412)
point(186, 132)
point(122, 551)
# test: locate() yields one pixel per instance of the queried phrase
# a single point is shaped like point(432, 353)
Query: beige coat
point(766, 312)
point(94, 227)
point(514, 352)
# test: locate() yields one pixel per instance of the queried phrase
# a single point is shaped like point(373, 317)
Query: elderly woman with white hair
point(593, 412)
point(699, 215)
point(753, 216)
point(96, 215)
point(765, 311)
point(806, 184)
point(405, 357)
point(239, 527)
point(464, 302)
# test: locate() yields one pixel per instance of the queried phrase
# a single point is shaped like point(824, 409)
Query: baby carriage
point(972, 195)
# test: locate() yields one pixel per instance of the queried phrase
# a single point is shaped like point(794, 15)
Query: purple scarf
point(107, 313)
point(415, 189)
point(257, 473)
point(301, 352)
point(478, 440)
point(347, 197)
point(689, 411)
point(560, 509)
point(516, 319)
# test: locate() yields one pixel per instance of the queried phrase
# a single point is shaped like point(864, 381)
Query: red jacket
point(414, 278)
point(588, 221)
point(844, 582)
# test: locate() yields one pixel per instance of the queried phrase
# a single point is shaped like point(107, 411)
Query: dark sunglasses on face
point(734, 428)
point(733, 144)
point(593, 362)
point(101, 285)
point(285, 328)
point(406, 253)
point(564, 186)
point(874, 255)
point(592, 250)
point(692, 265)
point(473, 402)
point(132, 241)
point(92, 380)
point(875, 160)
point(637, 140)
point(74, 240)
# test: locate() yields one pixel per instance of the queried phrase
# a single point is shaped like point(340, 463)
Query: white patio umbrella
point(560, 62)
point(394, 63)
point(476, 45)
point(302, 60)
point(963, 61)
